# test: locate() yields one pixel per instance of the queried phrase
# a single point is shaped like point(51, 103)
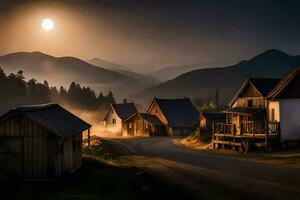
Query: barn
point(40, 142)
point(144, 124)
point(178, 115)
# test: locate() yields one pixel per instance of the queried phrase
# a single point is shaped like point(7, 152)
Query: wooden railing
point(223, 128)
point(273, 127)
point(247, 127)
point(253, 127)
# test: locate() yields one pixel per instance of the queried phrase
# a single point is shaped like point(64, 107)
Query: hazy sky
point(149, 34)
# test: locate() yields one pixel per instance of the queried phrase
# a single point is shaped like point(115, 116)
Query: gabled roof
point(123, 110)
point(263, 85)
point(52, 117)
point(152, 119)
point(287, 82)
point(178, 112)
point(244, 111)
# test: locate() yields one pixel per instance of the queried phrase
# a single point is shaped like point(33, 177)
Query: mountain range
point(168, 73)
point(122, 70)
point(63, 70)
point(202, 84)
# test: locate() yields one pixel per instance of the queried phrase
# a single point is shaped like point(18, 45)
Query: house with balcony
point(250, 119)
point(263, 113)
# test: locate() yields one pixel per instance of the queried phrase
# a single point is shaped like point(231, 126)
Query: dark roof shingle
point(152, 119)
point(124, 110)
point(264, 85)
point(214, 115)
point(179, 112)
point(288, 87)
point(53, 117)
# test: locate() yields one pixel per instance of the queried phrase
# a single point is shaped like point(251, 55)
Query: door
point(11, 157)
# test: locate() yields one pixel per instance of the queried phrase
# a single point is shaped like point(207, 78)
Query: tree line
point(15, 91)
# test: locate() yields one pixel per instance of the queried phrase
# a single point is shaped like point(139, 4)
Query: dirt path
point(209, 176)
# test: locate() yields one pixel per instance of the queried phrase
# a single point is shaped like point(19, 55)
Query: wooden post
point(89, 137)
point(253, 129)
point(267, 134)
point(213, 134)
point(217, 99)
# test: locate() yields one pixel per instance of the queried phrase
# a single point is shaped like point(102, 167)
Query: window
point(272, 117)
point(156, 111)
point(114, 121)
point(250, 103)
point(130, 125)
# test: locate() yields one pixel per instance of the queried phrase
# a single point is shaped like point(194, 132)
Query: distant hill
point(202, 84)
point(122, 70)
point(63, 70)
point(168, 73)
point(106, 65)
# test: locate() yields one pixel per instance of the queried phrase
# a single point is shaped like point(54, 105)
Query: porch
point(260, 134)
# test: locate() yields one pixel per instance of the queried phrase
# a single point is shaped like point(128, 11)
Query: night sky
point(147, 35)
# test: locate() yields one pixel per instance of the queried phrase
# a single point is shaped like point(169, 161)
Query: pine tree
point(110, 97)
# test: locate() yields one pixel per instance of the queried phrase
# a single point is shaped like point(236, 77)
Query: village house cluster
point(45, 141)
point(164, 117)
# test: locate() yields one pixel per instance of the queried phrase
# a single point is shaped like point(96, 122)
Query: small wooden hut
point(116, 116)
point(207, 119)
point(40, 142)
point(144, 124)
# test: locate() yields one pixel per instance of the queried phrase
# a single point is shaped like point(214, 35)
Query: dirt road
point(206, 175)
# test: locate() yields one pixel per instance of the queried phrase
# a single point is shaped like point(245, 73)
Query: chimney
point(124, 100)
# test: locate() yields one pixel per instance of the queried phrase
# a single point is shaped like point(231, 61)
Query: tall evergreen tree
point(110, 97)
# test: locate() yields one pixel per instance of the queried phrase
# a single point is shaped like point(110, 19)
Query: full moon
point(47, 24)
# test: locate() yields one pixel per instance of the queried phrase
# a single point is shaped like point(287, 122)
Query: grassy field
point(96, 179)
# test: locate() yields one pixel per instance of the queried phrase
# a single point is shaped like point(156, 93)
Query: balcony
point(247, 128)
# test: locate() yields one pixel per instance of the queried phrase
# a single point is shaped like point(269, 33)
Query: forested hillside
point(16, 91)
point(201, 85)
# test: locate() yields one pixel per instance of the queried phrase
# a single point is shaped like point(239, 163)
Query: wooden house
point(284, 106)
point(40, 142)
point(144, 124)
point(116, 116)
point(178, 115)
point(263, 113)
point(207, 119)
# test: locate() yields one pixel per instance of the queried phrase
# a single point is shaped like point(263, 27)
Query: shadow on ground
point(94, 180)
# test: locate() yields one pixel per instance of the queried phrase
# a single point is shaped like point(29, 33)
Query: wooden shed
point(178, 115)
point(144, 124)
point(40, 142)
point(116, 116)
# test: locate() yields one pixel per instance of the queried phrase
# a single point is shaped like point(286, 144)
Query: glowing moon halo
point(47, 24)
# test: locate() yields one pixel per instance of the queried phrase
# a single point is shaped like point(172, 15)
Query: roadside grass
point(197, 140)
point(97, 178)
